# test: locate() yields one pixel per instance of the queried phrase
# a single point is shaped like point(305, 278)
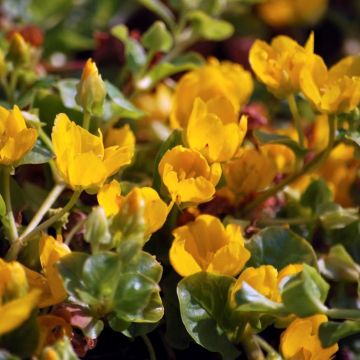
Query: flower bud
point(19, 50)
point(91, 90)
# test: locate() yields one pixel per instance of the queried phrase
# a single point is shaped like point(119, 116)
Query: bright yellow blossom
point(332, 91)
point(49, 281)
point(81, 158)
point(214, 129)
point(206, 245)
point(309, 347)
point(212, 80)
point(91, 90)
point(249, 172)
point(288, 12)
point(16, 303)
point(187, 175)
point(157, 105)
point(155, 209)
point(265, 279)
point(123, 137)
point(279, 64)
point(16, 139)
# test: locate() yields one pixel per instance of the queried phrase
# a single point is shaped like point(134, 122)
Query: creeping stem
point(86, 120)
point(11, 229)
point(310, 166)
point(251, 346)
point(350, 314)
point(21, 241)
point(297, 119)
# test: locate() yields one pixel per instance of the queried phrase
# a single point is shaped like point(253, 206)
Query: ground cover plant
point(179, 179)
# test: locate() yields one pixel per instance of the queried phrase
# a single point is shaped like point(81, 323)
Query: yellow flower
point(91, 90)
point(157, 105)
point(214, 129)
point(155, 210)
point(187, 175)
point(309, 348)
point(288, 12)
point(206, 245)
point(49, 282)
point(279, 64)
point(81, 158)
point(265, 279)
point(15, 138)
point(212, 80)
point(122, 137)
point(16, 303)
point(249, 172)
point(332, 91)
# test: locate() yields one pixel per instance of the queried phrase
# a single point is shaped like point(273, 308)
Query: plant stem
point(21, 241)
point(310, 166)
point(12, 86)
point(297, 119)
point(44, 208)
point(350, 314)
point(266, 346)
point(293, 221)
point(251, 346)
point(12, 232)
point(74, 230)
point(86, 120)
point(149, 347)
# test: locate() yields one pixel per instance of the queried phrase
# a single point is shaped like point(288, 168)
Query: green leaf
point(334, 216)
point(132, 295)
point(173, 140)
point(203, 298)
point(100, 273)
point(163, 70)
point(157, 38)
point(121, 32)
point(118, 324)
point(139, 329)
point(304, 294)
point(146, 265)
point(249, 300)
point(126, 108)
point(268, 247)
point(210, 28)
point(67, 90)
point(38, 155)
point(70, 268)
point(269, 138)
point(2, 206)
point(316, 194)
point(160, 9)
point(331, 332)
point(338, 265)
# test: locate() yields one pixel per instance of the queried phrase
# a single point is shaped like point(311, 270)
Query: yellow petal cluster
point(309, 347)
point(212, 80)
point(214, 129)
point(334, 90)
point(278, 65)
point(16, 139)
point(265, 279)
point(249, 172)
point(155, 210)
point(157, 105)
point(187, 175)
point(122, 137)
point(206, 245)
point(81, 158)
point(288, 12)
point(49, 281)
point(16, 302)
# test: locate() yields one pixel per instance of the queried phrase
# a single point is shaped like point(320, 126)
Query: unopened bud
point(91, 90)
point(19, 50)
